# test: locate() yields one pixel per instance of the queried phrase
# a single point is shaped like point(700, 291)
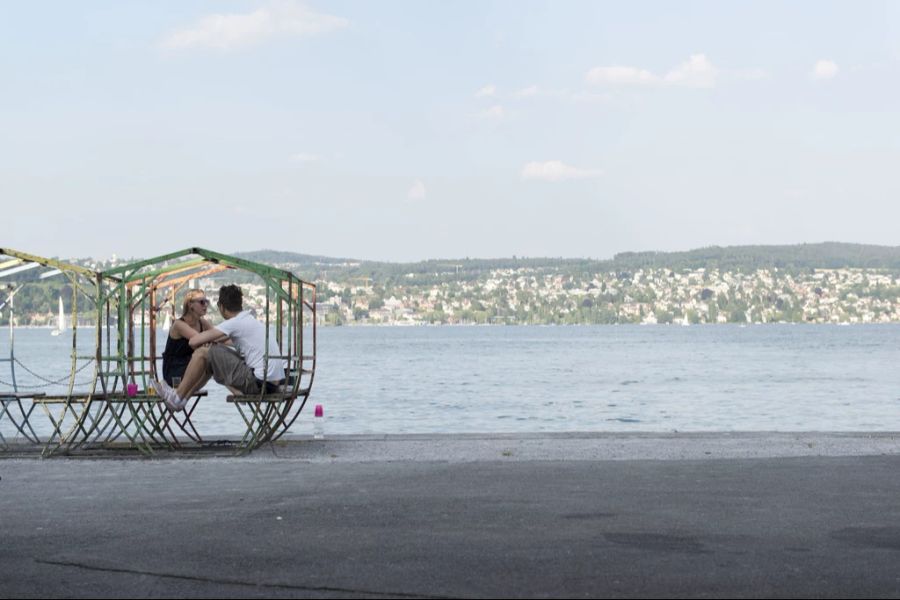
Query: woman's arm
point(210, 335)
point(186, 331)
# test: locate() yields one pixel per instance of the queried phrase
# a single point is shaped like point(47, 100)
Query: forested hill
point(827, 255)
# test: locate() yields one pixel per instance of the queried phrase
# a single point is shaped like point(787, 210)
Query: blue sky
point(412, 130)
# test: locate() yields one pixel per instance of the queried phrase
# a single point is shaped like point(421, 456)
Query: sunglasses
point(202, 301)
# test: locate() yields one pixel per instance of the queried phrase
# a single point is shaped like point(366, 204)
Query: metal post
point(12, 342)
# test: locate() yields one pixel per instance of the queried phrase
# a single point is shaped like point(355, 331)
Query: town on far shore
point(645, 296)
point(545, 295)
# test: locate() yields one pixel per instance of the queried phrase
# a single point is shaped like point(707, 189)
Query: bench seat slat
point(267, 397)
point(20, 395)
point(117, 397)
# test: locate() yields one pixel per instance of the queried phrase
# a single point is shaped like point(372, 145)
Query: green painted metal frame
point(138, 282)
point(105, 414)
point(76, 412)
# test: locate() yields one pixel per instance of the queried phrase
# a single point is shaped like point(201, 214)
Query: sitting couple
point(238, 365)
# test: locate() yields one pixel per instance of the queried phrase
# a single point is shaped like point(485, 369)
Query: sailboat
point(61, 323)
point(167, 323)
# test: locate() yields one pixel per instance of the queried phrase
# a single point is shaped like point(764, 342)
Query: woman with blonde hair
point(178, 351)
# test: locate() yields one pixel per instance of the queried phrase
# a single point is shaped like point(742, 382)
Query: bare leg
point(196, 375)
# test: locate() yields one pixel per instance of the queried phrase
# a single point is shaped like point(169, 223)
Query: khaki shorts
point(228, 368)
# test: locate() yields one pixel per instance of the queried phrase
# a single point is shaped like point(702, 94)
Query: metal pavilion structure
point(113, 406)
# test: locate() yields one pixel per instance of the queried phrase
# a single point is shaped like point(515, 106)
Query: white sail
point(167, 323)
point(61, 322)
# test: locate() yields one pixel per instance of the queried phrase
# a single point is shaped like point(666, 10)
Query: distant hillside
point(322, 267)
point(278, 257)
point(827, 255)
point(671, 289)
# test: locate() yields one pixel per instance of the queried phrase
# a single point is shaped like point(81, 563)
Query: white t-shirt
point(249, 338)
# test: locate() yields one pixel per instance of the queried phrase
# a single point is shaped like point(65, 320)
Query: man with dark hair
point(240, 366)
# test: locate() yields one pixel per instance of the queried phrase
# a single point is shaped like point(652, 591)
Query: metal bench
point(102, 418)
point(20, 422)
point(267, 416)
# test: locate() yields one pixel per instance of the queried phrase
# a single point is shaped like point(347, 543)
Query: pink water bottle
point(319, 423)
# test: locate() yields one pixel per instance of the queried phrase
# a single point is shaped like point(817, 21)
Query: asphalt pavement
point(569, 515)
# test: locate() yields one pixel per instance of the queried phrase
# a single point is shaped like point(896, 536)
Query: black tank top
point(177, 355)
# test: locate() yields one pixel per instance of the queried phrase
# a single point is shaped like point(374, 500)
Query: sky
point(404, 131)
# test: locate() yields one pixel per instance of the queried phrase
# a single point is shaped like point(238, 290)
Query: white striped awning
point(19, 269)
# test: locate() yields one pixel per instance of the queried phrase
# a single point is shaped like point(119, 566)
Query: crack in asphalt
point(284, 586)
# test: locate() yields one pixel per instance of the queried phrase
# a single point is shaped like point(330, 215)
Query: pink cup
point(131, 389)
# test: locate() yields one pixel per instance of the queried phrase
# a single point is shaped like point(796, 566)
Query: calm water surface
point(604, 378)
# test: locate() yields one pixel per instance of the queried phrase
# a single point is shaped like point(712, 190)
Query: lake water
point(584, 378)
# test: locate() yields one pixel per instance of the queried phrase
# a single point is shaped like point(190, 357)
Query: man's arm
point(210, 335)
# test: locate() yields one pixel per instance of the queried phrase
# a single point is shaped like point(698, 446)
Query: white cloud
point(225, 31)
point(555, 170)
point(494, 112)
point(697, 71)
point(417, 191)
point(486, 91)
point(304, 157)
point(824, 69)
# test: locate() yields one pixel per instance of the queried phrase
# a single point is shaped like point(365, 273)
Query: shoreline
point(522, 447)
point(641, 324)
point(582, 446)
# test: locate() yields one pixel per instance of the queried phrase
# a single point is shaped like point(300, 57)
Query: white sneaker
point(169, 396)
point(180, 402)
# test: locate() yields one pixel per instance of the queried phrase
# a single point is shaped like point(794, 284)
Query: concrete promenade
point(567, 515)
